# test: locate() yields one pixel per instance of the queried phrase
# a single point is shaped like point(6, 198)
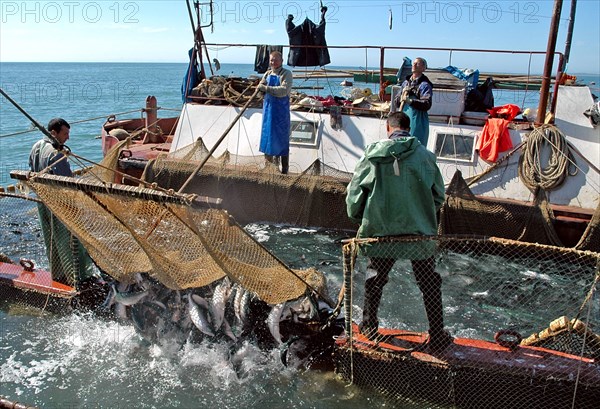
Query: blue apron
point(275, 135)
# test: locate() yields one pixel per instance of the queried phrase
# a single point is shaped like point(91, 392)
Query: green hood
point(396, 190)
point(387, 151)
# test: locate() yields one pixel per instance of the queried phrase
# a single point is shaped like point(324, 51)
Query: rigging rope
point(532, 171)
point(77, 122)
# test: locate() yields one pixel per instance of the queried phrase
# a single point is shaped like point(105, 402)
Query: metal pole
point(33, 121)
point(381, 62)
point(569, 34)
point(546, 77)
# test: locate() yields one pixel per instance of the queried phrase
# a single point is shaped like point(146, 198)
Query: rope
point(532, 172)
point(75, 122)
point(350, 251)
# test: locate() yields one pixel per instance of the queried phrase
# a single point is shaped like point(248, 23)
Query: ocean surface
point(80, 361)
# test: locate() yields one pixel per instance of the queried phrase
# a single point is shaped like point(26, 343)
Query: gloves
point(262, 87)
point(405, 96)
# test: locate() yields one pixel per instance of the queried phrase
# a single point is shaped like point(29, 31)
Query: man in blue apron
point(275, 135)
point(415, 100)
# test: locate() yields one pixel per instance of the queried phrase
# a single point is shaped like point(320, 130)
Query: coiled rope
point(533, 172)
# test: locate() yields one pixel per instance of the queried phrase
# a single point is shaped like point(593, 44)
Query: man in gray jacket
point(69, 261)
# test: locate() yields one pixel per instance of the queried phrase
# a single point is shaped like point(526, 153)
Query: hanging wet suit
point(275, 135)
point(307, 33)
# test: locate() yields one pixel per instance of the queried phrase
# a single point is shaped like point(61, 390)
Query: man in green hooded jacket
point(397, 190)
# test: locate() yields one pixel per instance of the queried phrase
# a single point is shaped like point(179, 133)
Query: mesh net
point(176, 239)
point(23, 250)
point(463, 213)
point(442, 321)
point(251, 188)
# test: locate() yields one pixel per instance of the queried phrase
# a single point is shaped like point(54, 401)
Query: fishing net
point(495, 292)
point(464, 213)
point(181, 240)
point(23, 253)
point(252, 189)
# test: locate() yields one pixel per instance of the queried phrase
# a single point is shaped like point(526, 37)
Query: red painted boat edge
point(38, 280)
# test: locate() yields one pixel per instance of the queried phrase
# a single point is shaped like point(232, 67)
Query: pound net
point(464, 213)
point(182, 241)
point(524, 319)
point(253, 189)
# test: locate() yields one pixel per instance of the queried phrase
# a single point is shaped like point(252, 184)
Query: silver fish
point(240, 304)
point(199, 318)
point(141, 281)
point(159, 304)
point(200, 301)
point(218, 302)
point(302, 309)
point(128, 298)
point(273, 321)
point(110, 299)
point(228, 331)
point(121, 311)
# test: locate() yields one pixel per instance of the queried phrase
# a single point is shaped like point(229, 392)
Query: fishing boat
point(25, 281)
point(187, 169)
point(214, 151)
point(553, 199)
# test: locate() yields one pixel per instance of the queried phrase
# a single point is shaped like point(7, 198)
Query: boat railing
point(375, 69)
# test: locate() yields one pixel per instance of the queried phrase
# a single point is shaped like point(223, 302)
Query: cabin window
point(454, 146)
point(303, 133)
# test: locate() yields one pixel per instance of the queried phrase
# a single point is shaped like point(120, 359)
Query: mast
point(546, 77)
point(569, 34)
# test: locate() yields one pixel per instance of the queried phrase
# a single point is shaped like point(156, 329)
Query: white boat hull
point(341, 149)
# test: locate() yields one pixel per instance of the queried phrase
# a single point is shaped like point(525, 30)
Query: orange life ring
point(513, 341)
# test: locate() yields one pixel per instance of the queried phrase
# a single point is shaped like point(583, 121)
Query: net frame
point(398, 362)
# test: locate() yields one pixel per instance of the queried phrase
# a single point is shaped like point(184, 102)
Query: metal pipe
point(381, 62)
point(151, 111)
point(548, 64)
point(559, 74)
point(569, 34)
point(481, 50)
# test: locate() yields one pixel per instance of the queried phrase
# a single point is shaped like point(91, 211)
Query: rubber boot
point(370, 322)
point(285, 164)
point(378, 272)
point(430, 284)
point(432, 299)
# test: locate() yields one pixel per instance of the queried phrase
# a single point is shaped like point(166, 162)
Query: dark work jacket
point(307, 33)
point(263, 54)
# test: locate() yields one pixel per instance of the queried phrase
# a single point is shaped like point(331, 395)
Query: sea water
point(80, 361)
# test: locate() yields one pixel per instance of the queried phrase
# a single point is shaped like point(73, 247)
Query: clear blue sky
point(160, 30)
